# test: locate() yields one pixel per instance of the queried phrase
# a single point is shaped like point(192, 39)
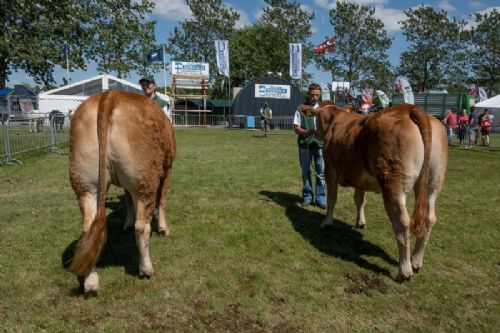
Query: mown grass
point(244, 256)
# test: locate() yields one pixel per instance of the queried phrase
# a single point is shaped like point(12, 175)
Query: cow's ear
point(324, 117)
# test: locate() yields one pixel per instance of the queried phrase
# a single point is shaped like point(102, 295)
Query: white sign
point(295, 61)
point(272, 91)
point(190, 68)
point(222, 56)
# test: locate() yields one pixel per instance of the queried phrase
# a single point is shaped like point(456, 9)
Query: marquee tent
point(493, 105)
point(69, 97)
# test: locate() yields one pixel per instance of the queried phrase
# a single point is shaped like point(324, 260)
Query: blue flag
point(156, 55)
point(64, 52)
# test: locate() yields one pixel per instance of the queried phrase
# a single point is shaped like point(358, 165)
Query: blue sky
point(168, 14)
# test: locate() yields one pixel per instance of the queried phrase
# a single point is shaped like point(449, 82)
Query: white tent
point(493, 105)
point(70, 96)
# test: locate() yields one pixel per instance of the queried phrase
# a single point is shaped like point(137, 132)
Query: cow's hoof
point(164, 232)
point(325, 225)
point(361, 226)
point(146, 273)
point(91, 293)
point(403, 277)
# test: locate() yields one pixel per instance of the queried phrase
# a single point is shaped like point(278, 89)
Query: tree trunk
point(3, 73)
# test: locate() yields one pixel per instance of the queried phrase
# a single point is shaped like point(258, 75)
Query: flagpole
point(67, 61)
point(164, 71)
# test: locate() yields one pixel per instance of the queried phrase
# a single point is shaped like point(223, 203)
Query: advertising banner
point(189, 68)
point(272, 91)
point(296, 61)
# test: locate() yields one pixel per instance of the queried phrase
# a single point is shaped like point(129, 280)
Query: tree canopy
point(485, 55)
point(114, 34)
point(435, 51)
point(262, 48)
point(361, 48)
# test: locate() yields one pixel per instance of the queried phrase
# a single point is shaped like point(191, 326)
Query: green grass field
point(244, 256)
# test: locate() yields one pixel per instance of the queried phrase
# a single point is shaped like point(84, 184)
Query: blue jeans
point(306, 156)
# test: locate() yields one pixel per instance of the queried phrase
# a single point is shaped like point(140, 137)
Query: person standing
point(462, 120)
point(450, 121)
point(266, 115)
point(310, 149)
point(473, 128)
point(485, 125)
point(148, 86)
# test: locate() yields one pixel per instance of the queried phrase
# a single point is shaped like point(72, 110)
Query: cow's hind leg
point(130, 219)
point(144, 212)
point(162, 199)
point(88, 207)
point(421, 242)
point(359, 200)
point(395, 206)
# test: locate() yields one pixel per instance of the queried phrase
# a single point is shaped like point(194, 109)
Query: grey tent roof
point(247, 104)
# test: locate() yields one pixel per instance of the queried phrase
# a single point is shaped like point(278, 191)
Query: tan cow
point(393, 152)
point(124, 139)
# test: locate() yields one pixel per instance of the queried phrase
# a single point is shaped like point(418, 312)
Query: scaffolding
point(190, 87)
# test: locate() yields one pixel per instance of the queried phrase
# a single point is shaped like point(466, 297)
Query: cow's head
point(325, 114)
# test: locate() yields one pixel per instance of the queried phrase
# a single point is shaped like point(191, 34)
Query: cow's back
point(365, 148)
point(138, 143)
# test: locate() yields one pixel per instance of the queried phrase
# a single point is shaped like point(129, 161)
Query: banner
point(190, 68)
point(156, 55)
point(222, 56)
point(295, 61)
point(272, 91)
point(402, 85)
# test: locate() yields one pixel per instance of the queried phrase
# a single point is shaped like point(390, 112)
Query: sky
point(169, 13)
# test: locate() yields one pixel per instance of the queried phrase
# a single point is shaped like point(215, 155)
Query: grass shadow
point(341, 240)
point(120, 249)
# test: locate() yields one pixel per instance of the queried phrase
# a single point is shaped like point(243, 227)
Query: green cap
point(147, 78)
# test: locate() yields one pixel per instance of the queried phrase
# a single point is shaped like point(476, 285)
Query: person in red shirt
point(485, 125)
point(463, 119)
point(450, 121)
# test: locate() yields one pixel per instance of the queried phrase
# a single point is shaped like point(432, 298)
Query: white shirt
point(296, 118)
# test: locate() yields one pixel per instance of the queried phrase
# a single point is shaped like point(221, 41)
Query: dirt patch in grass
point(362, 282)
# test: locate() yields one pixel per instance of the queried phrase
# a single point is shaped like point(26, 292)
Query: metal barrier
point(229, 122)
point(22, 135)
point(252, 122)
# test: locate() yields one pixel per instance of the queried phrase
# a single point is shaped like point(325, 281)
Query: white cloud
point(172, 10)
point(244, 20)
point(471, 20)
point(476, 4)
point(329, 4)
point(390, 18)
point(447, 6)
point(325, 4)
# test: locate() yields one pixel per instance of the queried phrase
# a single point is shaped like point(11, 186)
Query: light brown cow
point(392, 152)
point(123, 139)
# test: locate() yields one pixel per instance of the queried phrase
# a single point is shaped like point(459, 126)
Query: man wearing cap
point(450, 121)
point(148, 86)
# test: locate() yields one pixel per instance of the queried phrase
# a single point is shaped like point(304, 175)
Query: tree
point(195, 39)
point(252, 54)
point(361, 50)
point(263, 48)
point(485, 56)
point(122, 37)
point(435, 56)
point(289, 23)
point(33, 35)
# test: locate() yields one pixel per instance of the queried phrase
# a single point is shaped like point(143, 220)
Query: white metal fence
point(21, 135)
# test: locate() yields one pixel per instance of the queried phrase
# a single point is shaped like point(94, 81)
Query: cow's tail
point(90, 245)
point(421, 209)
